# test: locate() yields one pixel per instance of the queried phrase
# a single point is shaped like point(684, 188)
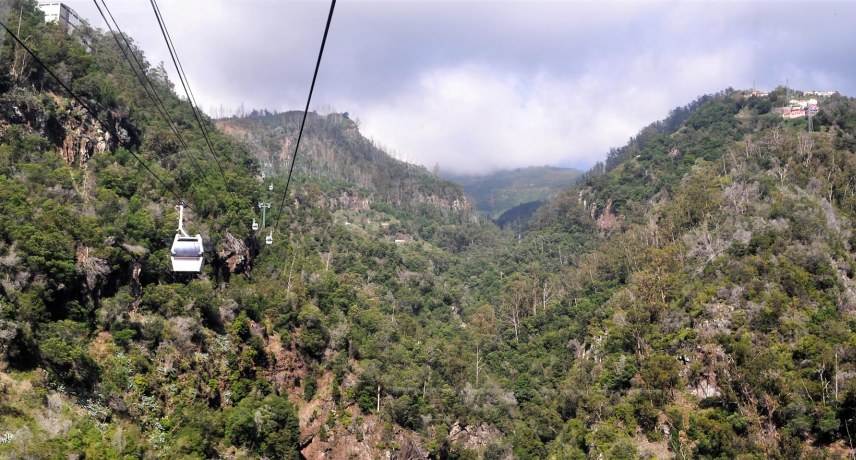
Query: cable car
point(269, 238)
point(186, 252)
point(255, 224)
point(270, 187)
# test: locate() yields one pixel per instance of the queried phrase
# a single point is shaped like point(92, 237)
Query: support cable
point(182, 77)
point(305, 112)
point(86, 107)
point(142, 75)
point(144, 79)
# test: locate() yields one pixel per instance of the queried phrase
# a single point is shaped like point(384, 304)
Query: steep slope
point(498, 192)
point(518, 217)
point(92, 322)
point(688, 300)
point(104, 351)
point(691, 298)
point(714, 318)
point(334, 154)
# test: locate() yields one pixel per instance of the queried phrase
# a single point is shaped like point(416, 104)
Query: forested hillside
point(716, 316)
point(337, 157)
point(501, 191)
point(692, 297)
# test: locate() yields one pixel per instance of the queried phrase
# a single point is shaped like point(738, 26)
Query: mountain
point(691, 297)
point(717, 298)
point(518, 217)
point(105, 351)
point(334, 153)
point(498, 192)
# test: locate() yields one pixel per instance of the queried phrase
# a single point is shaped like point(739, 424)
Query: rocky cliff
point(76, 135)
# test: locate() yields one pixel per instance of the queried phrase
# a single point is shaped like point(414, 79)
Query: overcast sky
point(476, 86)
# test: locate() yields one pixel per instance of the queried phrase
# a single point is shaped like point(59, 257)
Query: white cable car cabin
point(269, 238)
point(255, 224)
point(270, 187)
point(186, 252)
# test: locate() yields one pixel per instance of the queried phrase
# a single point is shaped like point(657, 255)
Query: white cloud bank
point(475, 118)
point(481, 85)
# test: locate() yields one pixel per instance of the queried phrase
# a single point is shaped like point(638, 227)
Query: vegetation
point(518, 217)
point(496, 193)
point(692, 297)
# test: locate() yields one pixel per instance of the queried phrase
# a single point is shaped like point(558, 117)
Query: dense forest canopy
point(690, 297)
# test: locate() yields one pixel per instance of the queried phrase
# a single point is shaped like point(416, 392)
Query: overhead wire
point(188, 90)
point(186, 85)
point(142, 75)
point(305, 112)
point(144, 80)
point(86, 106)
point(4, 8)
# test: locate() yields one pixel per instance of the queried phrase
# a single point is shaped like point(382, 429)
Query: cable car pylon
point(264, 207)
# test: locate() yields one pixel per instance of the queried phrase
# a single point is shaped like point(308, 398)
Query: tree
point(483, 323)
point(516, 302)
point(313, 335)
point(63, 347)
point(269, 426)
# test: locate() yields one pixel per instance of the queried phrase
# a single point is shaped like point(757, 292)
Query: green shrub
point(63, 347)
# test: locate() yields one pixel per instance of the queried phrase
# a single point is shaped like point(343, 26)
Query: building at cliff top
point(60, 13)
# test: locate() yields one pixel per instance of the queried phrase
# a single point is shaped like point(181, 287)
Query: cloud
point(476, 118)
point(478, 85)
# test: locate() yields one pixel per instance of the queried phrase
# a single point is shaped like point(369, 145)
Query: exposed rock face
point(77, 135)
point(473, 437)
point(459, 204)
point(350, 202)
point(235, 254)
point(607, 221)
point(9, 330)
point(711, 362)
point(363, 440)
point(82, 141)
point(139, 254)
point(20, 108)
point(410, 450)
point(356, 202)
point(93, 268)
point(334, 149)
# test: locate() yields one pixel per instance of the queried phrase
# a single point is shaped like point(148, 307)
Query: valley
point(690, 296)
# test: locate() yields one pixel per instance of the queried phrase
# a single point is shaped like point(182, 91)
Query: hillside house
point(62, 14)
point(798, 108)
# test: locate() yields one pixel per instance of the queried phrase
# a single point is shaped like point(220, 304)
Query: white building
point(60, 13)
